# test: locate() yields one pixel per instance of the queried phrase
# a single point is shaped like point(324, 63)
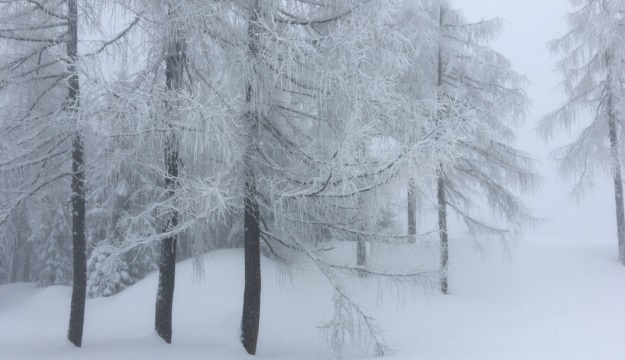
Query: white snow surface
point(551, 299)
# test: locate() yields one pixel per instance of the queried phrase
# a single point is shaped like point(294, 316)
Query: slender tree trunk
point(412, 211)
point(442, 202)
point(79, 290)
point(15, 258)
point(620, 214)
point(618, 183)
point(250, 319)
point(167, 264)
point(26, 271)
point(361, 243)
point(361, 253)
point(442, 228)
point(14, 262)
point(174, 69)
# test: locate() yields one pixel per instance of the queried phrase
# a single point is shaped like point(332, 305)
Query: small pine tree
point(108, 272)
point(110, 269)
point(55, 250)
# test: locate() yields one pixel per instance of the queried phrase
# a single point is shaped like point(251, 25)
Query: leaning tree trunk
point(79, 290)
point(250, 319)
point(174, 70)
point(618, 182)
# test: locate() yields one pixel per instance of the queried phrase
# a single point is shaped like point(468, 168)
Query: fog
point(529, 26)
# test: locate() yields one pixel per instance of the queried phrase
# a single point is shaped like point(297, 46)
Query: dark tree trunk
point(361, 252)
point(174, 68)
point(412, 211)
point(167, 264)
point(79, 290)
point(618, 183)
point(14, 262)
point(26, 271)
point(361, 256)
point(13, 275)
point(442, 228)
point(166, 282)
point(250, 321)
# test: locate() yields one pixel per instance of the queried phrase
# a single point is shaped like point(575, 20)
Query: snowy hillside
point(554, 299)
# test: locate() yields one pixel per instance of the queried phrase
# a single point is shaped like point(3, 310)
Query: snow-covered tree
point(277, 68)
point(12, 244)
point(114, 197)
point(170, 134)
point(477, 80)
point(107, 276)
point(51, 232)
point(593, 51)
point(321, 94)
point(287, 124)
point(42, 43)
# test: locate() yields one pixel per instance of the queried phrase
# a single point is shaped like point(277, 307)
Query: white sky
point(529, 25)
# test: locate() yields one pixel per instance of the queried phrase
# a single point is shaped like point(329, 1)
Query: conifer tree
point(592, 64)
point(475, 79)
point(42, 39)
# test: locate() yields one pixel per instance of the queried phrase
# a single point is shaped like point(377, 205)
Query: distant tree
point(54, 248)
point(13, 241)
point(114, 197)
point(592, 64)
point(473, 78)
point(417, 24)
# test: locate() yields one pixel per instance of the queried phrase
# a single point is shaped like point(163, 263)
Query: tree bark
point(412, 211)
point(442, 203)
point(15, 260)
point(361, 254)
point(361, 242)
point(616, 163)
point(167, 264)
point(250, 319)
point(26, 271)
point(174, 69)
point(442, 228)
point(618, 183)
point(13, 275)
point(79, 289)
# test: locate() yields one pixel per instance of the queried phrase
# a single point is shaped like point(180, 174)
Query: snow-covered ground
point(553, 299)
